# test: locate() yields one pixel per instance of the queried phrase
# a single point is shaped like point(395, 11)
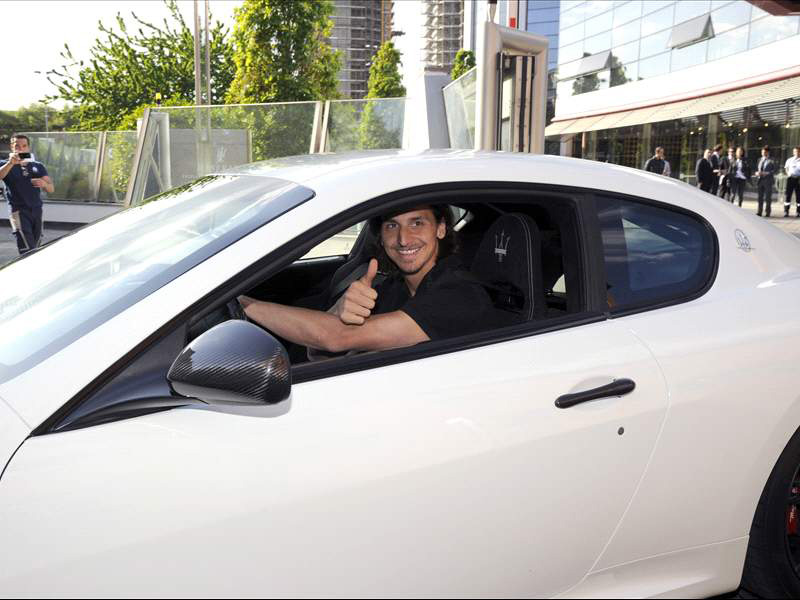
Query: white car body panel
point(383, 478)
point(698, 368)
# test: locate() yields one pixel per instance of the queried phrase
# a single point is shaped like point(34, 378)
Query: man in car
point(427, 296)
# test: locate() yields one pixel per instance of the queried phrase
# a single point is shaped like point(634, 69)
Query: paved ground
point(8, 246)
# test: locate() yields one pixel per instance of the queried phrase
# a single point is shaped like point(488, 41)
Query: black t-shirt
point(21, 192)
point(448, 302)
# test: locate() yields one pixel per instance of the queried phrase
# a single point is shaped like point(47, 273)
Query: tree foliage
point(127, 68)
point(36, 117)
point(385, 80)
point(280, 52)
point(463, 62)
point(381, 121)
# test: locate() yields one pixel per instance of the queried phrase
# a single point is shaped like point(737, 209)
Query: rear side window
point(653, 255)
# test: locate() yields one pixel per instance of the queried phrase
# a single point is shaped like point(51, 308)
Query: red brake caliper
point(792, 516)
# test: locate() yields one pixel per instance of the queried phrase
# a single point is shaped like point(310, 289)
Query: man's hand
point(37, 182)
point(14, 159)
point(356, 304)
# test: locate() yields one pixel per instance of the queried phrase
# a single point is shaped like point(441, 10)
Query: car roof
point(395, 169)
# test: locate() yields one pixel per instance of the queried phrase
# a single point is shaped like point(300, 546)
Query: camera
point(24, 155)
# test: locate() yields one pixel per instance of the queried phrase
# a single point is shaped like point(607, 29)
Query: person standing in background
point(656, 163)
point(725, 165)
point(704, 172)
point(25, 179)
point(740, 174)
point(714, 159)
point(766, 179)
point(792, 167)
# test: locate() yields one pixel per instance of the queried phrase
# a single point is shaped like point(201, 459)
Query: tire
point(772, 563)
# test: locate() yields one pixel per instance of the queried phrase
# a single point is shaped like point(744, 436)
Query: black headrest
point(508, 263)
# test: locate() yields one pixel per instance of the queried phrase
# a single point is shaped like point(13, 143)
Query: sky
point(39, 30)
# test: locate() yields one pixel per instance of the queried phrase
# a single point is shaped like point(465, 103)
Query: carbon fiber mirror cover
point(234, 362)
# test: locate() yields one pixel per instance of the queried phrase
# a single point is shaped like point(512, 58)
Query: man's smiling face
point(411, 240)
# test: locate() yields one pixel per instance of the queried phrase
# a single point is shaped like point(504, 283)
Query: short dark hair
point(796, 148)
point(441, 212)
point(20, 136)
point(718, 147)
point(766, 149)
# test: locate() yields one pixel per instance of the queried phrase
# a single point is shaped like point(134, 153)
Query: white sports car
point(628, 430)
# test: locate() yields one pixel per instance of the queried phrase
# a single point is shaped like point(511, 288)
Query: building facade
point(684, 75)
point(359, 29)
point(442, 33)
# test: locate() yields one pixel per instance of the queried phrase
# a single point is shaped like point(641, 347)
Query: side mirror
point(234, 362)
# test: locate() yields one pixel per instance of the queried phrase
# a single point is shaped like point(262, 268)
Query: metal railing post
point(137, 157)
point(99, 163)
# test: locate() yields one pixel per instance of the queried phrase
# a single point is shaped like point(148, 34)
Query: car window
point(53, 296)
point(652, 254)
point(338, 245)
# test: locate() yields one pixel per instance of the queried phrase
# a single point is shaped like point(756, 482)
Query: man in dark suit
point(766, 179)
point(725, 166)
point(704, 172)
point(740, 175)
point(714, 159)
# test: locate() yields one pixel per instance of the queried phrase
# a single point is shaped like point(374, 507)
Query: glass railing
point(115, 169)
point(365, 124)
point(70, 159)
point(459, 105)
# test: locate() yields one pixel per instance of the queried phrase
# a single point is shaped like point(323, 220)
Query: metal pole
point(207, 39)
point(197, 70)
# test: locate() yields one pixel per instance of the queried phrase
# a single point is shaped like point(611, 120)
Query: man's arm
point(44, 183)
point(13, 159)
point(324, 331)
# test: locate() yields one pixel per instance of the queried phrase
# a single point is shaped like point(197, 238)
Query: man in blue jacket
point(25, 179)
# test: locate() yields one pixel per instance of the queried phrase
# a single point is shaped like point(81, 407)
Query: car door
point(452, 474)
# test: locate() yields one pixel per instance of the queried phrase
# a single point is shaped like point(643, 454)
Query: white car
point(631, 431)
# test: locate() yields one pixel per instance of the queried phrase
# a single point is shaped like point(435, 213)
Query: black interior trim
point(439, 193)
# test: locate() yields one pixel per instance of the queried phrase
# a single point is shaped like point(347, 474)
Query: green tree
point(280, 52)
point(381, 122)
point(281, 55)
point(463, 62)
point(127, 68)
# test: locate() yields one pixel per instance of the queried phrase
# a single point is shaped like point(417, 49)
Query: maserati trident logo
point(742, 241)
point(501, 245)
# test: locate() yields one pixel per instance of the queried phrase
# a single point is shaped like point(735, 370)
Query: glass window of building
point(539, 13)
point(715, 4)
point(655, 5)
point(654, 66)
point(730, 16)
point(567, 54)
point(626, 53)
point(571, 35)
point(771, 29)
point(659, 20)
point(593, 8)
point(600, 23)
point(627, 12)
point(729, 43)
point(572, 13)
point(627, 33)
point(689, 9)
point(655, 44)
point(620, 75)
point(689, 56)
point(597, 43)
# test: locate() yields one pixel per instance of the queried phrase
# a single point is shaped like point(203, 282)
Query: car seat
point(509, 265)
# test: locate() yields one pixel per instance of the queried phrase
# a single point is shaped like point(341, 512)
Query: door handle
point(618, 387)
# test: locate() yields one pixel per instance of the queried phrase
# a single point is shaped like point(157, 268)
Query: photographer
point(25, 179)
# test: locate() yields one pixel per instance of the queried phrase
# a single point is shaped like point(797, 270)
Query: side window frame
point(680, 298)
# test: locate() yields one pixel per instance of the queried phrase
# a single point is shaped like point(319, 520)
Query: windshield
point(57, 294)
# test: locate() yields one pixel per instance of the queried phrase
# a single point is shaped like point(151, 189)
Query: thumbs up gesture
point(356, 304)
